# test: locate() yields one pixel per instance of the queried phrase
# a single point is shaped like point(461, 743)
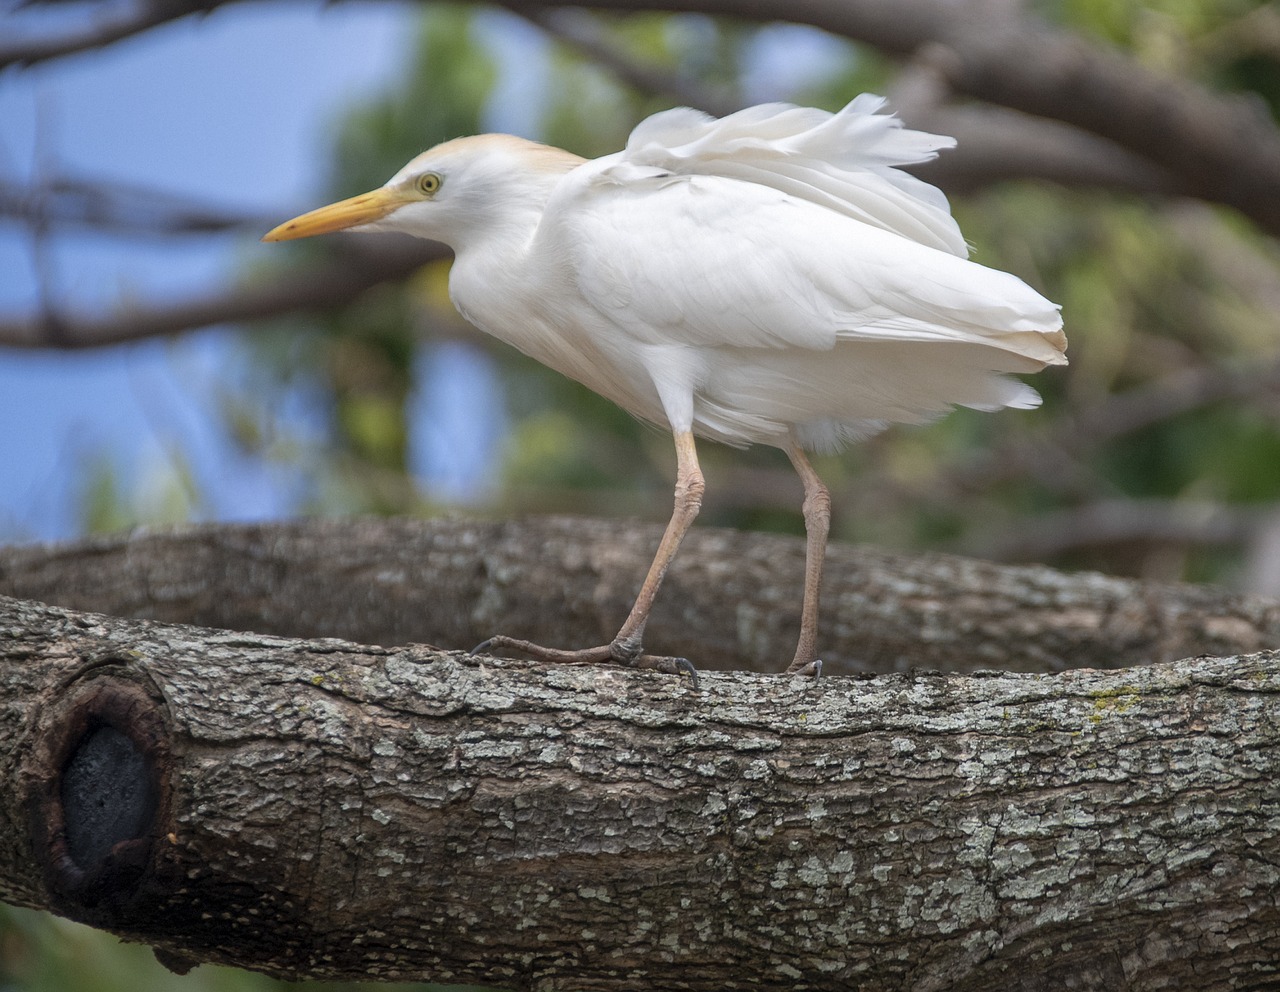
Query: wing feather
point(847, 161)
point(714, 262)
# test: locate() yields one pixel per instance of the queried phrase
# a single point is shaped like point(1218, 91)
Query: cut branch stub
point(97, 796)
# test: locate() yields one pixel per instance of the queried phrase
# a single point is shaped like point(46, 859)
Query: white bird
point(771, 276)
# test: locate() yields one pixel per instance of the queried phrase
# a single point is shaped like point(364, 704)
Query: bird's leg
point(688, 501)
point(817, 522)
point(626, 648)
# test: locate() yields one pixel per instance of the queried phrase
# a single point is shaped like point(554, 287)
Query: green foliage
point(1227, 44)
point(163, 493)
point(1150, 25)
point(42, 953)
point(102, 507)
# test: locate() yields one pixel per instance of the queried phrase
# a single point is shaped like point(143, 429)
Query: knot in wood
point(97, 782)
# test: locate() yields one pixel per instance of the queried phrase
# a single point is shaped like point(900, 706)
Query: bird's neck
point(499, 271)
point(494, 267)
point(503, 222)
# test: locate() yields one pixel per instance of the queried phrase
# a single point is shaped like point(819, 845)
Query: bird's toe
point(668, 666)
point(811, 669)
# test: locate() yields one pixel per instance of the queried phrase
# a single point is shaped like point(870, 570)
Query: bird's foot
point(811, 668)
point(619, 652)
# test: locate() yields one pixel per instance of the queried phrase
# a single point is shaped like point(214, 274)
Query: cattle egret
point(771, 276)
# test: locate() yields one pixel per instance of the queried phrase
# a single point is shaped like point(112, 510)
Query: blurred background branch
point(319, 285)
point(116, 208)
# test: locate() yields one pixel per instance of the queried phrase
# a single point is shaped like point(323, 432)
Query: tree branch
point(580, 32)
point(998, 146)
point(117, 208)
point(731, 600)
point(331, 283)
point(1180, 522)
point(994, 145)
point(317, 809)
point(102, 31)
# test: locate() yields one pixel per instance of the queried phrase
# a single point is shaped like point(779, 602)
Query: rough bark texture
point(321, 809)
point(731, 600)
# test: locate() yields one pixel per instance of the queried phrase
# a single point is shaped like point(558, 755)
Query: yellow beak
point(362, 209)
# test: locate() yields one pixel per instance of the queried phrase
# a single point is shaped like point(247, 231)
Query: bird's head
point(459, 190)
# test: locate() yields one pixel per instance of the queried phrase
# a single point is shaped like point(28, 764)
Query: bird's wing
point(714, 262)
point(847, 162)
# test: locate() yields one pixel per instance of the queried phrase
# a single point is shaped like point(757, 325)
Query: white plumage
point(772, 276)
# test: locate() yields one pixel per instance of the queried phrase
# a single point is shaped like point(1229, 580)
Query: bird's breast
point(546, 321)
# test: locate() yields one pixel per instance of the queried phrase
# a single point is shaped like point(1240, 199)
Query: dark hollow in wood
point(107, 796)
point(96, 787)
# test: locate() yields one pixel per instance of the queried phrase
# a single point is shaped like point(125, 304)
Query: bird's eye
point(428, 183)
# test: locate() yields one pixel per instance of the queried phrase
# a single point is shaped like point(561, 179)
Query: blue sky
point(232, 110)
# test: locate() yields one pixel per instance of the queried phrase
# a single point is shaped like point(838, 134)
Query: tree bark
point(320, 809)
point(730, 601)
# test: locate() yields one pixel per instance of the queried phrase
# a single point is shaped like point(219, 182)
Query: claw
point(668, 666)
point(483, 647)
point(811, 670)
